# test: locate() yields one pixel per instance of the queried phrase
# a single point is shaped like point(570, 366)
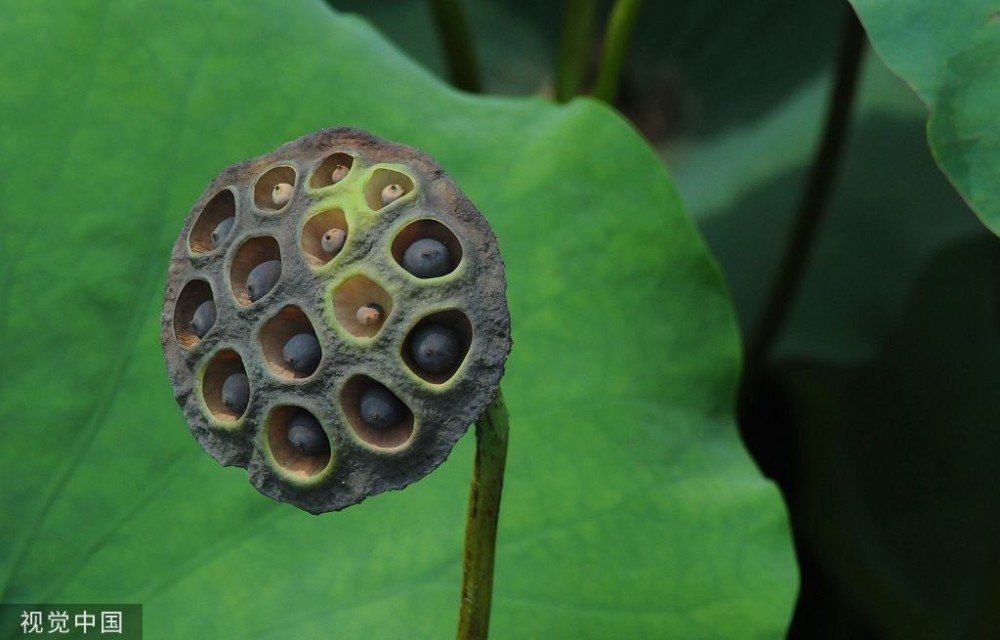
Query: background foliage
point(631, 508)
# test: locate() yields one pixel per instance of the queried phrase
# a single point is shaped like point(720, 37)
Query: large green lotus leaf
point(948, 52)
point(631, 510)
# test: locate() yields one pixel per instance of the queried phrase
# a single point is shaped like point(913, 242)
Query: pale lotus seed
point(370, 314)
point(338, 174)
point(281, 194)
point(333, 241)
point(392, 193)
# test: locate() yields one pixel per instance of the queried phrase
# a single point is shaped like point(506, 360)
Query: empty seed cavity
point(221, 207)
point(255, 270)
point(298, 443)
point(224, 386)
point(194, 313)
point(386, 186)
point(376, 414)
point(274, 188)
point(290, 345)
point(361, 306)
point(324, 236)
point(332, 170)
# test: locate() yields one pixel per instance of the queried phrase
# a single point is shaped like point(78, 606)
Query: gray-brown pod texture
point(335, 318)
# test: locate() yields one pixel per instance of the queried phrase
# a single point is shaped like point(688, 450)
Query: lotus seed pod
point(427, 258)
point(435, 347)
point(370, 314)
point(335, 371)
point(333, 241)
point(262, 279)
point(236, 392)
point(391, 193)
point(302, 352)
point(281, 194)
point(203, 318)
point(306, 434)
point(221, 231)
point(339, 173)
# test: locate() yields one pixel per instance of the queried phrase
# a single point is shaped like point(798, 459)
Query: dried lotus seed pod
point(332, 371)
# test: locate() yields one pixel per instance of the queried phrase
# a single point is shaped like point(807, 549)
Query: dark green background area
point(631, 508)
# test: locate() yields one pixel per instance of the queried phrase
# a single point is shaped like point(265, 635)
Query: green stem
point(481, 523)
point(574, 48)
point(815, 197)
point(456, 37)
point(763, 413)
point(616, 41)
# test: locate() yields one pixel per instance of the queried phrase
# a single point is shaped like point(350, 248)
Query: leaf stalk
point(616, 42)
point(456, 37)
point(481, 523)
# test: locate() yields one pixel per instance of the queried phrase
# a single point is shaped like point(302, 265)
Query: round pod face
point(360, 318)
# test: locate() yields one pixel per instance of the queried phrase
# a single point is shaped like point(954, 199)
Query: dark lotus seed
point(236, 392)
point(427, 258)
point(380, 408)
point(302, 352)
point(203, 318)
point(306, 435)
point(221, 231)
point(262, 279)
point(435, 347)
